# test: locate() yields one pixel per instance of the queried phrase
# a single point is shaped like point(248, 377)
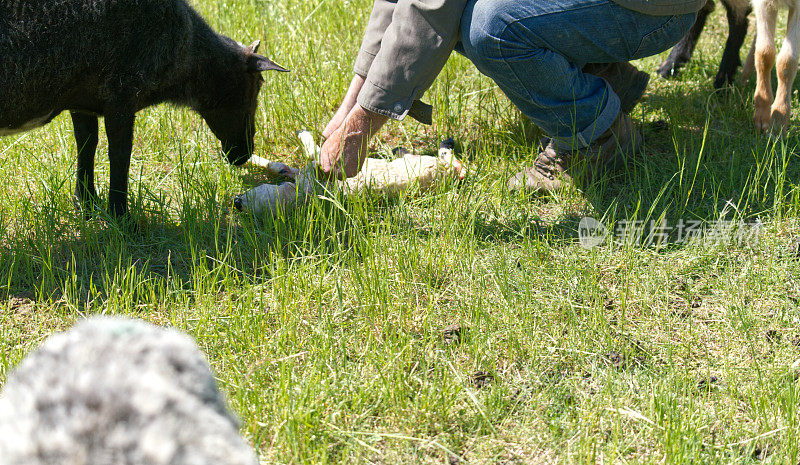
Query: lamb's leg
point(737, 22)
point(119, 129)
point(787, 70)
point(86, 139)
point(764, 61)
point(682, 52)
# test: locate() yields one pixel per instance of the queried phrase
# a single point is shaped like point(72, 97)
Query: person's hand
point(347, 105)
point(343, 153)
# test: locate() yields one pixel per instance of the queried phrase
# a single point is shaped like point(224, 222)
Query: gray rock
point(113, 391)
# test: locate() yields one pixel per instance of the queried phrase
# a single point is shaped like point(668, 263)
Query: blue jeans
point(534, 50)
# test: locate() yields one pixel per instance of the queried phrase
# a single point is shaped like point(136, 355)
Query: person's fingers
point(336, 121)
point(342, 155)
point(329, 156)
point(344, 152)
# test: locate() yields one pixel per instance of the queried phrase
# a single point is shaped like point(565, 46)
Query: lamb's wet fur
point(390, 177)
point(112, 58)
point(117, 392)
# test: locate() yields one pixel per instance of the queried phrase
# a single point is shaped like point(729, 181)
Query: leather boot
point(554, 169)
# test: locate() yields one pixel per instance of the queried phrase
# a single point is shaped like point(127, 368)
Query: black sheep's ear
point(257, 63)
point(253, 48)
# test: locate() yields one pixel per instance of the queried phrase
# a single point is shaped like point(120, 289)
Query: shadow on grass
point(52, 253)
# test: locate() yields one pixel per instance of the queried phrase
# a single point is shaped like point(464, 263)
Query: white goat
point(773, 112)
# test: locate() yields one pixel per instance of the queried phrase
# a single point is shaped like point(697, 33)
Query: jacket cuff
point(384, 102)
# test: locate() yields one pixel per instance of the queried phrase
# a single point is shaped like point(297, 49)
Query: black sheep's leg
point(682, 52)
point(738, 24)
point(86, 139)
point(119, 129)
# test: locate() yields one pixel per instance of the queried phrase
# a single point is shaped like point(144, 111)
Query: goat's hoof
point(762, 121)
point(724, 88)
point(126, 224)
point(780, 121)
point(89, 205)
point(665, 73)
point(774, 122)
point(668, 70)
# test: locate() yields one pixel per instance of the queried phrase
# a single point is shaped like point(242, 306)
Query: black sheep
point(112, 58)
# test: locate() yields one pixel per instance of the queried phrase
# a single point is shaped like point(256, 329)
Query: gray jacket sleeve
point(405, 46)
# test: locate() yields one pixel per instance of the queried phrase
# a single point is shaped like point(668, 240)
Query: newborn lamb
point(113, 391)
point(377, 175)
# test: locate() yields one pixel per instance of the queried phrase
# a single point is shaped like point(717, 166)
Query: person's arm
point(413, 50)
point(348, 103)
point(406, 45)
point(379, 21)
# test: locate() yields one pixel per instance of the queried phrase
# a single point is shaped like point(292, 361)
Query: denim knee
point(481, 30)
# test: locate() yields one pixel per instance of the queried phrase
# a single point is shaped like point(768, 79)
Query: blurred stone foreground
point(113, 391)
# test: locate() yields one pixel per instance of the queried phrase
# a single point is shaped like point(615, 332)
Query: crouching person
point(563, 64)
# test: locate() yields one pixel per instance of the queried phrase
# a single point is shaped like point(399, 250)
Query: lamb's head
point(231, 112)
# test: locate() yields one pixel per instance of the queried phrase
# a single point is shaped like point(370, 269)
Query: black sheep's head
point(231, 115)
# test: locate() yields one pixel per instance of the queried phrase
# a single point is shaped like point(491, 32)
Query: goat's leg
point(86, 139)
point(787, 70)
point(764, 61)
point(119, 129)
point(749, 63)
point(737, 22)
point(682, 51)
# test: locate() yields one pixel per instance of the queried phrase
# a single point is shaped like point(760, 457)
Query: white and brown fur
point(773, 110)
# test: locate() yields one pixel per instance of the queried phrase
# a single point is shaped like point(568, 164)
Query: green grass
point(327, 328)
